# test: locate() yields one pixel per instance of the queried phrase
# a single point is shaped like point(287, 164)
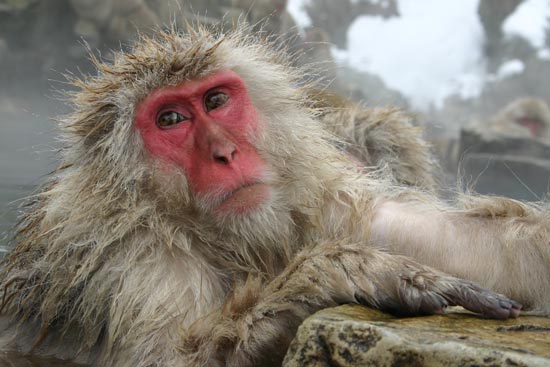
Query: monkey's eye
point(170, 118)
point(215, 100)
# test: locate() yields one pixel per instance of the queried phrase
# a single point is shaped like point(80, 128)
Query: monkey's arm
point(259, 319)
point(499, 243)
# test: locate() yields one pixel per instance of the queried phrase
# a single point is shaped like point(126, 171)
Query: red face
point(205, 127)
point(534, 125)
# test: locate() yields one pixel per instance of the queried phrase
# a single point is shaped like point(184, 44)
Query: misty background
point(475, 74)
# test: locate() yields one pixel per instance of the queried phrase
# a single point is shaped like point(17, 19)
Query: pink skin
point(212, 147)
point(533, 125)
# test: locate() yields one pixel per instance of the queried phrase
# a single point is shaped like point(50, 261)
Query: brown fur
point(380, 138)
point(118, 264)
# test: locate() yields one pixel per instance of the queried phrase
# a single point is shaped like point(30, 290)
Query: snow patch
point(509, 68)
point(296, 9)
point(432, 50)
point(340, 56)
point(529, 22)
point(435, 48)
point(544, 54)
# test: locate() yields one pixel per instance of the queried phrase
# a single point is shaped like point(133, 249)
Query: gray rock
point(355, 336)
point(512, 167)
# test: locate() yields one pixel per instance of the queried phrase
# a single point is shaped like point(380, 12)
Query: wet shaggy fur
point(382, 138)
point(118, 263)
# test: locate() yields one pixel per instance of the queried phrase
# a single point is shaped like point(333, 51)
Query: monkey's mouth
point(244, 198)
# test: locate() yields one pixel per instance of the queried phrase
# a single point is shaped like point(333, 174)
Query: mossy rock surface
point(357, 336)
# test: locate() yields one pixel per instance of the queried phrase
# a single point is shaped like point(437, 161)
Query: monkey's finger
point(484, 301)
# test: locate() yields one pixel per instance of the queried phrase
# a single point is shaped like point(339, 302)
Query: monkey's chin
point(245, 200)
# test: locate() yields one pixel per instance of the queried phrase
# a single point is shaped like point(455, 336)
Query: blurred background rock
point(495, 140)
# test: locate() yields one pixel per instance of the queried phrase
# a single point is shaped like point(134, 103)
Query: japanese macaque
point(526, 117)
point(202, 210)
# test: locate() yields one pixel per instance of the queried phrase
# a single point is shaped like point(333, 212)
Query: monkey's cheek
point(245, 200)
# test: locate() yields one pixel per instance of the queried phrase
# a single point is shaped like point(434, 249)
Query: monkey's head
point(199, 122)
point(528, 116)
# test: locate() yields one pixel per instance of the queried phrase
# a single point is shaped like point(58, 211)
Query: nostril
point(224, 156)
point(224, 153)
point(221, 159)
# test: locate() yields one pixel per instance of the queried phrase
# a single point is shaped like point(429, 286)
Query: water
point(27, 153)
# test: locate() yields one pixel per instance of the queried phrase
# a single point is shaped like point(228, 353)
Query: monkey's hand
point(413, 289)
point(400, 285)
point(260, 319)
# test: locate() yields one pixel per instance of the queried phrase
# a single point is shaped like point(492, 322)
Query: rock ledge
point(358, 336)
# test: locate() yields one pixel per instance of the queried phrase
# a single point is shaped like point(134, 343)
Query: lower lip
point(245, 199)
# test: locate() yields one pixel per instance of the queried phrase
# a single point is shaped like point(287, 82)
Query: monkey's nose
point(224, 153)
